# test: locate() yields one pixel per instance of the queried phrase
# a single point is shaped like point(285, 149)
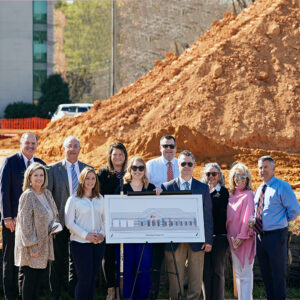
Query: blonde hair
point(128, 177)
point(239, 166)
point(81, 180)
point(29, 171)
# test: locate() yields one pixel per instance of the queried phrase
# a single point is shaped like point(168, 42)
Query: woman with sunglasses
point(241, 239)
point(214, 261)
point(109, 179)
point(136, 180)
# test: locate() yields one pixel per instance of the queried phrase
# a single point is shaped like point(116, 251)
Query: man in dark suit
point(194, 252)
point(11, 182)
point(62, 182)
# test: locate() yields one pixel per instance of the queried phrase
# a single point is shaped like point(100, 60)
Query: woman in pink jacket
point(241, 239)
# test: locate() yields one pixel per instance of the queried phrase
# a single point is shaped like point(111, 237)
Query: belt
point(272, 231)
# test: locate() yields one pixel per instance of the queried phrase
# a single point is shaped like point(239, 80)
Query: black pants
point(31, 282)
point(62, 272)
point(10, 271)
point(158, 254)
point(110, 267)
point(213, 272)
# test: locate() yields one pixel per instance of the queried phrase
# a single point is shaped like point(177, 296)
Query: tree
point(20, 110)
point(54, 92)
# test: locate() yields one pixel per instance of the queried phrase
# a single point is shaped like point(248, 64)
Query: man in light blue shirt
point(159, 170)
point(278, 205)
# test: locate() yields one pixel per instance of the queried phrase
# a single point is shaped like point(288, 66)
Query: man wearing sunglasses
point(275, 205)
point(160, 170)
point(194, 252)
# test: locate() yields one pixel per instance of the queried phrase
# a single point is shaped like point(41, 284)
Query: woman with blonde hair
point(136, 180)
point(241, 239)
point(84, 217)
point(33, 241)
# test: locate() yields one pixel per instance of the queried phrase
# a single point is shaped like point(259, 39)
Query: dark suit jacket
point(108, 182)
point(58, 185)
point(11, 182)
point(197, 188)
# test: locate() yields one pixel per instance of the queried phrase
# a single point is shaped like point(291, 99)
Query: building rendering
point(26, 49)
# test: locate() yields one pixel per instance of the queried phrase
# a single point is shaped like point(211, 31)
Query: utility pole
point(114, 49)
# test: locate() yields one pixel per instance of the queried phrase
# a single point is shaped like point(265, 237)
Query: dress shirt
point(157, 170)
point(280, 204)
point(69, 170)
point(182, 181)
point(215, 188)
point(26, 160)
point(83, 216)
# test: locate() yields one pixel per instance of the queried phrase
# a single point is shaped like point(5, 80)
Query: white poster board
point(154, 219)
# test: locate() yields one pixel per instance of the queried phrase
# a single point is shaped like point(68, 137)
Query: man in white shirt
point(159, 170)
point(62, 182)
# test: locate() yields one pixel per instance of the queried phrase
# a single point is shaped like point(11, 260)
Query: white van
point(70, 110)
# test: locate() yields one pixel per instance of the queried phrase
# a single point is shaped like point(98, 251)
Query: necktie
point(186, 185)
point(74, 180)
point(170, 171)
point(259, 210)
point(28, 163)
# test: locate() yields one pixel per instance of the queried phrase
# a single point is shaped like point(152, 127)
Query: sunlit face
point(135, 171)
point(266, 170)
point(37, 179)
point(89, 182)
point(240, 178)
point(213, 176)
point(29, 145)
point(72, 150)
point(117, 158)
point(186, 167)
point(165, 149)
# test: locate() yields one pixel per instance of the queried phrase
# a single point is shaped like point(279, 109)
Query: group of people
point(54, 215)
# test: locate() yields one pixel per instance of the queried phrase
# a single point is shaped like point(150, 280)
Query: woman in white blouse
point(84, 217)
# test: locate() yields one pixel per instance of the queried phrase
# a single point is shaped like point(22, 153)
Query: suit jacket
point(58, 185)
point(197, 188)
point(11, 182)
point(32, 231)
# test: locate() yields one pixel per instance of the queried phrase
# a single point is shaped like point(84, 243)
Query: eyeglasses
point(214, 174)
point(190, 164)
point(171, 146)
point(140, 168)
point(240, 176)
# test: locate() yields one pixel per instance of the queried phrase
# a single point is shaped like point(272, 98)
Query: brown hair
point(111, 148)
point(81, 180)
point(29, 171)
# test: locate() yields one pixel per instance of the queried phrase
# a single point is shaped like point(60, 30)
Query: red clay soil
point(234, 94)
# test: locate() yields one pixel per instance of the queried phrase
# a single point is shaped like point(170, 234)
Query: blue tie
point(186, 185)
point(74, 180)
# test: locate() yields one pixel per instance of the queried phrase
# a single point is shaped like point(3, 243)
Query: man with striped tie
point(159, 170)
point(276, 205)
point(63, 182)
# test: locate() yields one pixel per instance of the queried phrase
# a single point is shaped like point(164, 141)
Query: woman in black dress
point(109, 179)
point(136, 180)
point(214, 261)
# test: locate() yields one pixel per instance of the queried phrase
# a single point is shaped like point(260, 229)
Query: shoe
point(110, 293)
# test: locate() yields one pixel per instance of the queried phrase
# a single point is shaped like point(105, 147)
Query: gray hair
point(186, 153)
point(69, 139)
point(26, 134)
point(267, 158)
point(215, 165)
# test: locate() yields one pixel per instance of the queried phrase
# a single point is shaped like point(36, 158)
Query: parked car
point(70, 110)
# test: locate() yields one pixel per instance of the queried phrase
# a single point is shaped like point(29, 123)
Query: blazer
point(32, 231)
point(58, 185)
point(11, 182)
point(108, 182)
point(197, 188)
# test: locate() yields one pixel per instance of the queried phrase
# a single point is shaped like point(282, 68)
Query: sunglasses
point(190, 164)
point(140, 168)
point(168, 146)
point(240, 176)
point(214, 174)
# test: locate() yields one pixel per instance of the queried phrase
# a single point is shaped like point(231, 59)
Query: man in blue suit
point(11, 182)
point(194, 252)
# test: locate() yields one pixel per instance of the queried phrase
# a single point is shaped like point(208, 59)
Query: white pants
point(244, 277)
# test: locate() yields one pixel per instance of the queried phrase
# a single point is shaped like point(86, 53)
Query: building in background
point(26, 49)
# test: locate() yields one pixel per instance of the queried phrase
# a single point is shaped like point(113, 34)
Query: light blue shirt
point(280, 204)
point(157, 170)
point(182, 183)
